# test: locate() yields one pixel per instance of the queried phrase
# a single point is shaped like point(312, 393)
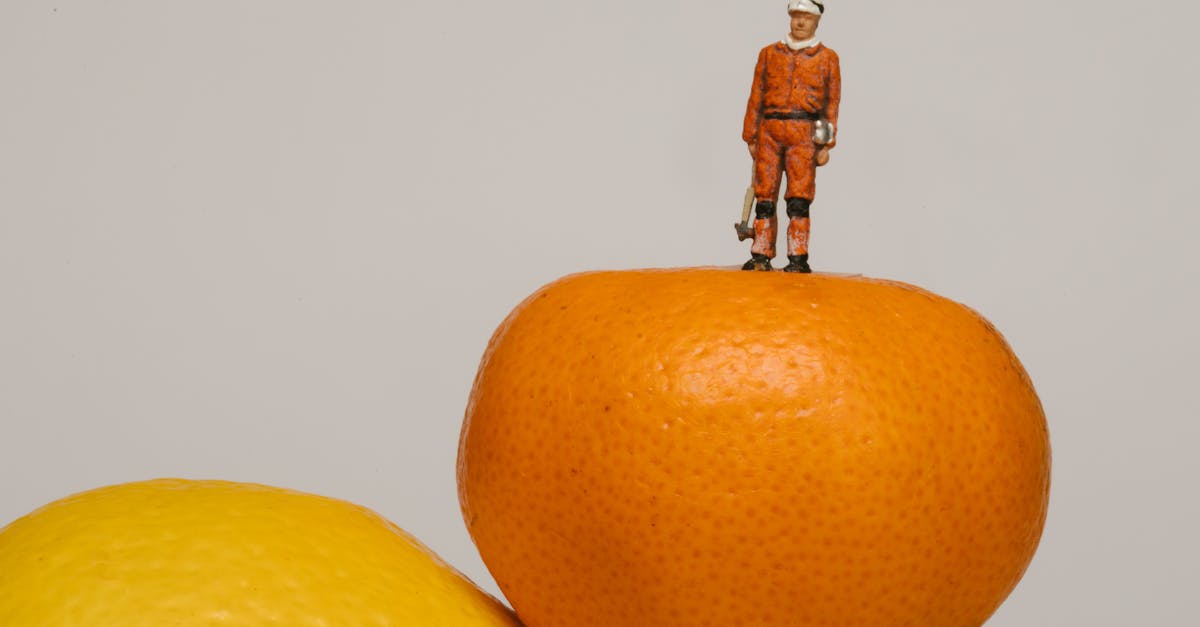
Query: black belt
point(792, 115)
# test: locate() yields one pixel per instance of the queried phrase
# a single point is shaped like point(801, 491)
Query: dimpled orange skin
point(713, 447)
point(179, 552)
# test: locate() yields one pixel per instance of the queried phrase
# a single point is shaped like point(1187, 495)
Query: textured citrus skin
point(713, 447)
point(174, 552)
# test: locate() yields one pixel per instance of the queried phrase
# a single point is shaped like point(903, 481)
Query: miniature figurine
point(791, 125)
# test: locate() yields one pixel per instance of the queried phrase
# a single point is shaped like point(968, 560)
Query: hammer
point(744, 231)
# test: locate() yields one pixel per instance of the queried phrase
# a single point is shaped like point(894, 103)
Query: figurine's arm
point(754, 106)
point(833, 86)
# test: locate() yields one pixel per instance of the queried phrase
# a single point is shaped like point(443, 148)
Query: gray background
point(267, 241)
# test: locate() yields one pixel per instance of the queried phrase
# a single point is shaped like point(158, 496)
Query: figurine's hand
point(823, 156)
point(753, 149)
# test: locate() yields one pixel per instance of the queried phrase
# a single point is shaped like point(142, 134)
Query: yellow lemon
point(176, 552)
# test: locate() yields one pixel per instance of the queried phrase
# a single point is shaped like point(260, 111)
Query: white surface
point(267, 241)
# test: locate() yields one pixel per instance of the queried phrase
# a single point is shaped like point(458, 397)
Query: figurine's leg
point(799, 160)
point(797, 235)
point(766, 231)
point(769, 161)
point(768, 174)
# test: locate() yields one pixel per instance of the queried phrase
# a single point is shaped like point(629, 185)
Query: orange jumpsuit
point(791, 90)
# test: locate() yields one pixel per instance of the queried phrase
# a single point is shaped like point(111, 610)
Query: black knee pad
point(764, 209)
point(798, 207)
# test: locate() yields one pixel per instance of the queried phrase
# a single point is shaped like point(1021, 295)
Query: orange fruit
point(716, 447)
point(175, 552)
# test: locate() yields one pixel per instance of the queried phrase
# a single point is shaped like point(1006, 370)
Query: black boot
point(798, 263)
point(758, 262)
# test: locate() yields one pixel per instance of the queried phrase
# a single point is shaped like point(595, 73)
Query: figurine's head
point(806, 16)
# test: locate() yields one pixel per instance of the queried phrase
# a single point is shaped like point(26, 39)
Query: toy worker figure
point(791, 123)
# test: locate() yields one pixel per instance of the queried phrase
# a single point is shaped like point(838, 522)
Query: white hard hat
point(806, 6)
